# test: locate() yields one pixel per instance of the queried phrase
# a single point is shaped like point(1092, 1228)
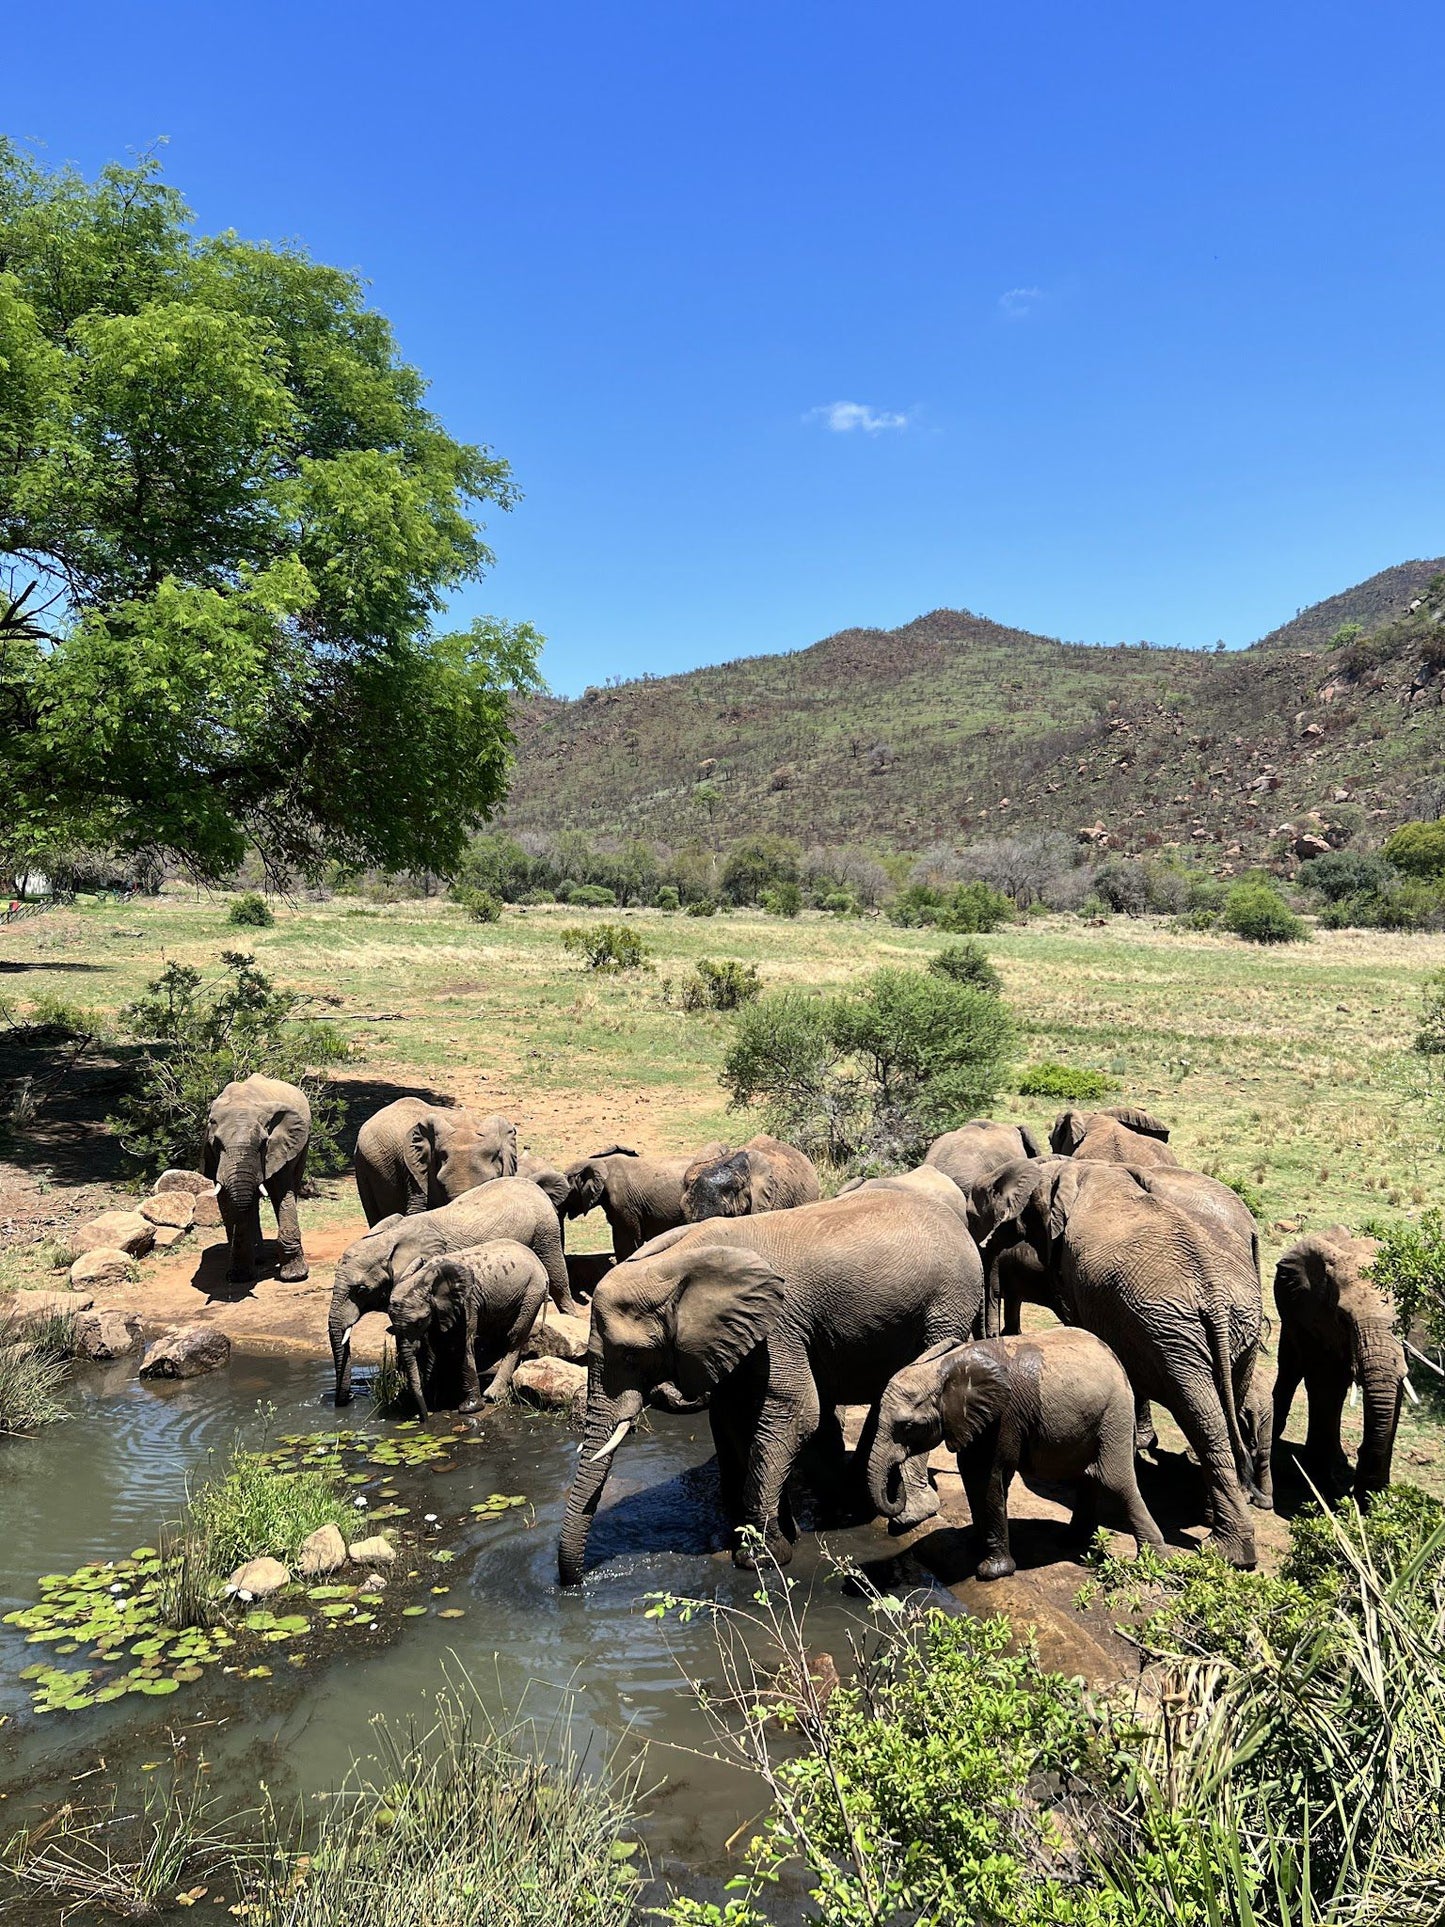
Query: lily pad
point(158, 1687)
point(413, 1612)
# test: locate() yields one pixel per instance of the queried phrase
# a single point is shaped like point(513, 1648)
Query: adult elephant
point(1337, 1329)
point(372, 1267)
point(924, 1181)
point(257, 1131)
point(641, 1197)
point(1012, 1275)
point(771, 1321)
point(412, 1156)
point(762, 1175)
point(1180, 1313)
point(1120, 1134)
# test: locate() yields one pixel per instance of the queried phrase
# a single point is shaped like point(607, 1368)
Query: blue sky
point(1113, 322)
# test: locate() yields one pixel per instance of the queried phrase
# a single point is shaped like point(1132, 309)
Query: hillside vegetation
point(954, 726)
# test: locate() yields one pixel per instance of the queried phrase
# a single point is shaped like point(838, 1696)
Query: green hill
point(954, 727)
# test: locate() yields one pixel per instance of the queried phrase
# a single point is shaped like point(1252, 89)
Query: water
point(104, 1482)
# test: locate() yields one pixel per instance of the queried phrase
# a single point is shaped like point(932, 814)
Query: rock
point(376, 1551)
point(207, 1212)
point(174, 1208)
point(259, 1578)
point(555, 1335)
point(1308, 846)
point(168, 1235)
point(124, 1231)
point(47, 1304)
point(374, 1582)
point(551, 1382)
point(103, 1266)
point(103, 1335)
point(187, 1353)
point(323, 1552)
point(193, 1181)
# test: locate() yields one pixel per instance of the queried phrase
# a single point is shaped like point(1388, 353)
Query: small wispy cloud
point(1015, 302)
point(844, 417)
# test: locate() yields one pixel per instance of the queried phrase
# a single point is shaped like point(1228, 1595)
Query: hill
point(954, 727)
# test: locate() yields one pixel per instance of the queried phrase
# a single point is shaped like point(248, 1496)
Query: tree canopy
point(228, 526)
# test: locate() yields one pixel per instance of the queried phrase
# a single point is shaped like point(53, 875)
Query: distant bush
point(1408, 903)
point(703, 907)
point(966, 963)
point(537, 896)
point(839, 903)
point(1248, 1194)
point(1430, 1037)
point(1065, 1082)
point(1257, 912)
point(1342, 874)
point(589, 896)
point(480, 905)
point(725, 985)
point(756, 864)
point(967, 909)
point(607, 946)
point(667, 898)
point(251, 910)
point(783, 900)
point(1123, 886)
point(1418, 849)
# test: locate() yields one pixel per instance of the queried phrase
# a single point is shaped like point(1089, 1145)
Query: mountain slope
point(954, 727)
point(1378, 599)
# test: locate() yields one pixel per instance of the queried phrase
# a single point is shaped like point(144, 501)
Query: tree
point(227, 524)
point(1418, 849)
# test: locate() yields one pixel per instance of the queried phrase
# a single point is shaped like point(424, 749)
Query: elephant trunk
point(886, 1461)
point(239, 1176)
point(1380, 1368)
point(344, 1315)
point(668, 1398)
point(608, 1421)
point(406, 1356)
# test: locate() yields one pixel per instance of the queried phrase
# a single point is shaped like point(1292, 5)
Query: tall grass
point(33, 1356)
point(255, 1507)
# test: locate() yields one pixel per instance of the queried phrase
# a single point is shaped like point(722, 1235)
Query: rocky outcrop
point(553, 1383)
point(194, 1182)
point(175, 1209)
point(555, 1335)
point(188, 1353)
point(103, 1266)
point(207, 1213)
point(103, 1335)
point(125, 1231)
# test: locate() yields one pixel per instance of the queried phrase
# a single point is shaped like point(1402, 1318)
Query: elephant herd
point(738, 1289)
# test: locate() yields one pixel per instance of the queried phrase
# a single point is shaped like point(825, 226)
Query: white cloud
point(1019, 301)
point(842, 417)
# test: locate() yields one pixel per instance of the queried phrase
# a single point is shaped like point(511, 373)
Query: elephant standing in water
point(412, 1156)
point(771, 1322)
point(257, 1132)
point(762, 1175)
point(1337, 1329)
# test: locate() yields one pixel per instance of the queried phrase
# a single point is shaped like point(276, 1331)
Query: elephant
point(1121, 1134)
point(370, 1269)
point(1176, 1305)
point(1336, 1329)
point(257, 1132)
point(967, 1156)
point(772, 1321)
point(1055, 1404)
point(547, 1178)
point(641, 1197)
point(925, 1181)
point(412, 1156)
point(762, 1175)
point(484, 1299)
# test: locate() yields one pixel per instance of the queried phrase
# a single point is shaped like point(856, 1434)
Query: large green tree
point(228, 525)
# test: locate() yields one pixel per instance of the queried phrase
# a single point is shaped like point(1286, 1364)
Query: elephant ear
point(286, 1137)
point(1141, 1123)
point(418, 1154)
point(727, 1302)
point(1307, 1269)
point(1067, 1134)
point(975, 1394)
point(586, 1182)
point(509, 1148)
point(1030, 1143)
point(1063, 1192)
point(614, 1151)
point(1003, 1197)
point(555, 1184)
point(210, 1152)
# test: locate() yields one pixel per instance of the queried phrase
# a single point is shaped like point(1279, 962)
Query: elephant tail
point(1216, 1318)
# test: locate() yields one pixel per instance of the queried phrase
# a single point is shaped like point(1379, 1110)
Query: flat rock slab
point(175, 1208)
point(551, 1382)
point(105, 1265)
point(30, 1305)
point(103, 1335)
point(259, 1577)
point(195, 1182)
point(124, 1231)
point(376, 1551)
point(555, 1335)
point(188, 1353)
point(168, 1235)
point(323, 1552)
point(206, 1214)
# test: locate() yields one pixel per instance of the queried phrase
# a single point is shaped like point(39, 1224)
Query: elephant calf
point(762, 1175)
point(1056, 1404)
point(480, 1304)
point(640, 1196)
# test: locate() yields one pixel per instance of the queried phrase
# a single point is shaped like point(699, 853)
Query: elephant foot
point(294, 1271)
point(344, 1398)
point(469, 1405)
point(1261, 1498)
point(570, 1308)
point(1240, 1553)
point(777, 1549)
point(998, 1565)
point(234, 1277)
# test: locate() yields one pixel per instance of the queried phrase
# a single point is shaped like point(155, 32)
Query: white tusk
point(612, 1444)
point(1414, 1353)
point(1410, 1392)
point(1354, 1396)
point(346, 1339)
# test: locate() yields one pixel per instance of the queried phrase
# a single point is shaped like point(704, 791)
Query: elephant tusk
point(1410, 1392)
point(346, 1339)
point(612, 1444)
point(1354, 1396)
point(1424, 1360)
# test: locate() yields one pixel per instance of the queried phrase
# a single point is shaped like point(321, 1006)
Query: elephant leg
point(1326, 1386)
point(786, 1425)
point(1146, 1439)
point(986, 1480)
point(548, 1248)
point(293, 1268)
point(1288, 1372)
point(728, 1439)
point(1084, 1520)
point(1115, 1474)
point(1013, 1307)
point(243, 1234)
point(516, 1341)
point(1200, 1416)
point(1258, 1418)
point(471, 1378)
point(835, 1477)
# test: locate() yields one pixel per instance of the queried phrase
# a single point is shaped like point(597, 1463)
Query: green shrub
point(202, 1035)
point(703, 907)
point(1430, 1037)
point(968, 909)
point(1249, 1195)
point(756, 864)
point(60, 1021)
point(839, 903)
point(1066, 1082)
point(251, 910)
point(966, 963)
point(667, 898)
point(256, 1507)
point(1123, 886)
point(1341, 874)
point(1257, 912)
point(783, 900)
point(33, 1355)
point(480, 905)
point(590, 896)
point(1418, 849)
point(1410, 1266)
point(537, 896)
point(726, 985)
point(607, 946)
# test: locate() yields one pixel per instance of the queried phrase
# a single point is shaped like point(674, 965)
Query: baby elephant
point(1055, 1404)
point(475, 1306)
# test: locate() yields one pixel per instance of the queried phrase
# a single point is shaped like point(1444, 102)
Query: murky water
point(103, 1483)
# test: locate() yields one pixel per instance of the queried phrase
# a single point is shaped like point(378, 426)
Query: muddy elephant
point(1013, 1275)
point(1121, 1134)
point(641, 1197)
point(924, 1181)
point(473, 1308)
point(1176, 1306)
point(257, 1132)
point(1337, 1329)
point(373, 1266)
point(1055, 1405)
point(771, 1321)
point(762, 1175)
point(412, 1156)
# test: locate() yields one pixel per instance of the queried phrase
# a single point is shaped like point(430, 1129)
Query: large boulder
point(323, 1552)
point(195, 1182)
point(258, 1578)
point(206, 1214)
point(124, 1231)
point(188, 1353)
point(375, 1551)
point(554, 1383)
point(103, 1335)
point(555, 1335)
point(103, 1266)
point(175, 1208)
point(30, 1305)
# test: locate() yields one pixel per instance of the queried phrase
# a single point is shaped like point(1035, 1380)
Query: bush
point(1341, 874)
point(727, 985)
point(257, 1507)
point(251, 910)
point(1418, 849)
point(1063, 1081)
point(1430, 1037)
point(1257, 912)
point(869, 1076)
point(202, 1036)
point(703, 907)
point(592, 896)
point(1122, 886)
point(757, 864)
point(480, 905)
point(968, 909)
point(839, 903)
point(783, 900)
point(667, 898)
point(33, 1355)
point(608, 946)
point(1410, 1266)
point(966, 963)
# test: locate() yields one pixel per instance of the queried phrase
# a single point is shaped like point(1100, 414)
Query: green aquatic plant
point(33, 1359)
point(259, 1506)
